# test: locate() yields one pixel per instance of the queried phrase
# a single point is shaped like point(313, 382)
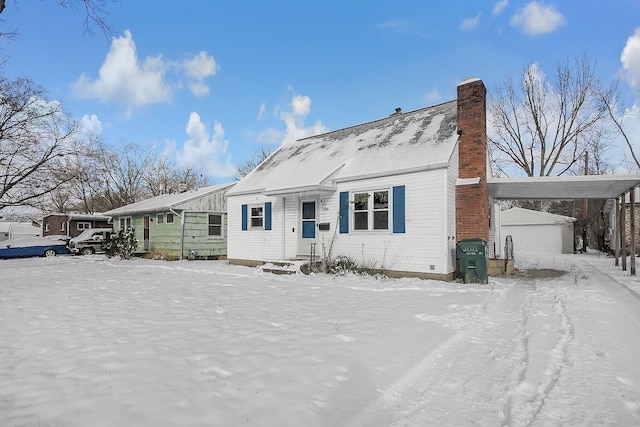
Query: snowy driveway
point(91, 341)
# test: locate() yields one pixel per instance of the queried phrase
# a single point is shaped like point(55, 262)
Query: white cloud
point(401, 27)
point(301, 105)
point(91, 125)
point(433, 96)
point(201, 66)
point(470, 23)
point(261, 111)
point(203, 151)
point(294, 120)
point(293, 117)
point(125, 80)
point(537, 18)
point(197, 69)
point(499, 6)
point(630, 59)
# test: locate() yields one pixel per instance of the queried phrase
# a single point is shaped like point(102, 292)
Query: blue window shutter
point(245, 214)
point(344, 212)
point(267, 216)
point(398, 209)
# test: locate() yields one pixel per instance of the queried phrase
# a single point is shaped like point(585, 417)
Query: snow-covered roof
point(81, 216)
point(167, 201)
point(561, 187)
point(417, 140)
point(520, 216)
point(18, 227)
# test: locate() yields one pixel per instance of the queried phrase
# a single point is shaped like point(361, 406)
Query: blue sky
point(209, 81)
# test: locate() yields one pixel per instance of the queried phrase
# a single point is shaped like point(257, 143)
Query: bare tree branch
point(543, 125)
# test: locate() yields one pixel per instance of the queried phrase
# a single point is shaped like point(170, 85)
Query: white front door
point(308, 231)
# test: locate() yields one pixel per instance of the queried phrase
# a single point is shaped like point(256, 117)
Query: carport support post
point(632, 226)
point(623, 232)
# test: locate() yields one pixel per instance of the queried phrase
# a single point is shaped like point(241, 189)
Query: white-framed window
point(159, 218)
point(371, 210)
point(215, 225)
point(63, 226)
point(125, 223)
point(83, 225)
point(257, 216)
point(46, 227)
point(169, 218)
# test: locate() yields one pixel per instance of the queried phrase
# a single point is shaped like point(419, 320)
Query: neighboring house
point(394, 194)
point(71, 225)
point(15, 230)
point(537, 232)
point(173, 225)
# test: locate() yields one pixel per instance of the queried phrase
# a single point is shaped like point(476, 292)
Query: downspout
point(181, 231)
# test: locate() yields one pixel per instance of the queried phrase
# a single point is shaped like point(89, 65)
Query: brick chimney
point(472, 191)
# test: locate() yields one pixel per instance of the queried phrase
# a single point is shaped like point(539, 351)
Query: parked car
point(89, 241)
point(32, 246)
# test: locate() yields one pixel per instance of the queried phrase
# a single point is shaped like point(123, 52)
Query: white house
point(393, 194)
point(15, 230)
point(537, 232)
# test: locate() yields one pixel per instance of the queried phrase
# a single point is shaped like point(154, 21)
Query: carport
point(577, 187)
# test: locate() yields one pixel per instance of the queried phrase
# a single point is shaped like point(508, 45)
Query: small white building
point(15, 230)
point(537, 232)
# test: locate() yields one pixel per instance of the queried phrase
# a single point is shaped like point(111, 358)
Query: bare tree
point(122, 174)
point(543, 126)
point(257, 156)
point(165, 177)
point(610, 99)
point(36, 136)
point(95, 15)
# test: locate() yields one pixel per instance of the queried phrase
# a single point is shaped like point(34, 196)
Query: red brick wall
point(472, 200)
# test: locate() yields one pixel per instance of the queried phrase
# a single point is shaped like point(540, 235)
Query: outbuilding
point(537, 232)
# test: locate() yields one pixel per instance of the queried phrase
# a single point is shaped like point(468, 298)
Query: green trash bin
point(472, 255)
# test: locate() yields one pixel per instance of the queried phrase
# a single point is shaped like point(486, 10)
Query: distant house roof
point(166, 201)
point(520, 216)
point(81, 217)
point(19, 228)
point(403, 142)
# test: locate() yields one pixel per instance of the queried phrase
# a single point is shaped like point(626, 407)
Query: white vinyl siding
point(420, 249)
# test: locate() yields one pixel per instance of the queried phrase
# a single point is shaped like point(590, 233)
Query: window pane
point(215, 219)
point(215, 230)
point(361, 202)
point(256, 211)
point(381, 200)
point(360, 221)
point(169, 218)
point(380, 220)
point(160, 218)
point(256, 222)
point(308, 210)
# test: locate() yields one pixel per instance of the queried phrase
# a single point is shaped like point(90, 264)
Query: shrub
point(122, 244)
point(343, 265)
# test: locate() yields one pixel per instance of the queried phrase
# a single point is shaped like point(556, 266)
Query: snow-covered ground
point(88, 341)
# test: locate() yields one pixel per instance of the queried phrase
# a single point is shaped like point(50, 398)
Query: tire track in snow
point(530, 386)
point(403, 402)
point(520, 345)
